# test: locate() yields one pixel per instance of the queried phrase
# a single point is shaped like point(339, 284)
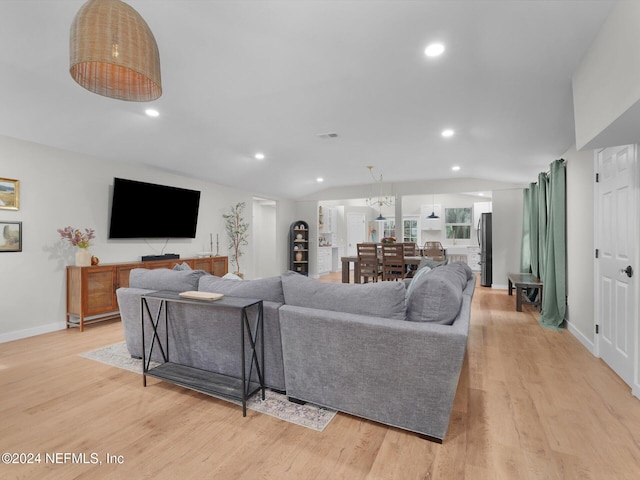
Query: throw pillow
point(165, 279)
point(378, 299)
point(456, 273)
point(415, 280)
point(435, 298)
point(268, 289)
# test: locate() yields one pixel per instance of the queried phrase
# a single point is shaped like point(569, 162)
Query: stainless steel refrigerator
point(484, 239)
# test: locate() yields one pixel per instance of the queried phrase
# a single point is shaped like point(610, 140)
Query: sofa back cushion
point(267, 289)
point(435, 296)
point(380, 299)
point(165, 279)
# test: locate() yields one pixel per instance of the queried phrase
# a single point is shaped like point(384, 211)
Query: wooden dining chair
point(393, 261)
point(368, 261)
point(434, 251)
point(410, 250)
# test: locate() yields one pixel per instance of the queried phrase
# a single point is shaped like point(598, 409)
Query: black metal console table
point(204, 381)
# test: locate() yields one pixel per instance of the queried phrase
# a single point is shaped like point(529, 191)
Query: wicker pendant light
point(113, 52)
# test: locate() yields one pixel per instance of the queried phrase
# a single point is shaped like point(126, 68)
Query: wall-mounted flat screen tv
point(147, 210)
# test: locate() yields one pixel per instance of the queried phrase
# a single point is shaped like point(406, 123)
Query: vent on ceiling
point(328, 135)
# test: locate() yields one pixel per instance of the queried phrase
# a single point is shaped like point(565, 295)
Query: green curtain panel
point(543, 251)
point(534, 229)
point(525, 245)
point(543, 210)
point(554, 300)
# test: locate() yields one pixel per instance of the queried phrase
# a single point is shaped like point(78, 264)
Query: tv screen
point(147, 210)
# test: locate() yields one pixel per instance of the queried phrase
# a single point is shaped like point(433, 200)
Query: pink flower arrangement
point(76, 237)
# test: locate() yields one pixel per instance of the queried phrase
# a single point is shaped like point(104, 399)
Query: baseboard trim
point(32, 332)
point(588, 344)
point(498, 286)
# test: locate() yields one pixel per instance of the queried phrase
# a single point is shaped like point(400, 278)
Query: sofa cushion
point(435, 297)
point(412, 282)
point(268, 289)
point(165, 279)
point(379, 299)
point(456, 273)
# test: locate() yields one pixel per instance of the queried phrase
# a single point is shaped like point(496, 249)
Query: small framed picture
point(9, 194)
point(10, 236)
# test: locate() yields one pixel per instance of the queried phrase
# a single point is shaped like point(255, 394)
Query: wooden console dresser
point(91, 291)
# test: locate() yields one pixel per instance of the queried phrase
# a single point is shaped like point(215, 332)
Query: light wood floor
point(531, 404)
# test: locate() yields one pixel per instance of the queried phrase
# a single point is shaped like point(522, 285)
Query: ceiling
point(241, 77)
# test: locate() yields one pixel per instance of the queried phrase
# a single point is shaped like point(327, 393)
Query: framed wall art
point(10, 236)
point(9, 194)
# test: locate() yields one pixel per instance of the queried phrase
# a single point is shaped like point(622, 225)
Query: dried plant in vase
point(80, 239)
point(238, 232)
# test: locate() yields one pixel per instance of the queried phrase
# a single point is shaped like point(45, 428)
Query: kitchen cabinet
point(473, 258)
point(324, 260)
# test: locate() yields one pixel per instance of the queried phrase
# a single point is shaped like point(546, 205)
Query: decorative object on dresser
point(238, 232)
point(91, 291)
point(299, 247)
point(80, 239)
point(9, 194)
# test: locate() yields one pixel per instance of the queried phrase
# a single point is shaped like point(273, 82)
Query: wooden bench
point(522, 282)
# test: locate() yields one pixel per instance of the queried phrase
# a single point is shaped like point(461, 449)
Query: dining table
point(347, 261)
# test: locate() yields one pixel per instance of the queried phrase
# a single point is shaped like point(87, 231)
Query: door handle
point(628, 271)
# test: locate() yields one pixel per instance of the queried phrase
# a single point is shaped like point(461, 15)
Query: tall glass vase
point(83, 257)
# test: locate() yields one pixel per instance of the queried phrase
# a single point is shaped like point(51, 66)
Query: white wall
point(264, 235)
point(580, 246)
point(60, 188)
point(506, 234)
point(606, 85)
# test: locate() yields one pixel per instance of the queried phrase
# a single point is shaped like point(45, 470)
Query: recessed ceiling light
point(259, 156)
point(151, 112)
point(434, 50)
point(447, 133)
point(319, 179)
point(455, 168)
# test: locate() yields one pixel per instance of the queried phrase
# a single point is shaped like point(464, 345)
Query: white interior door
point(616, 241)
point(356, 232)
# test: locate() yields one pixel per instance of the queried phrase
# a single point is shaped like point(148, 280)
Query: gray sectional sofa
point(391, 352)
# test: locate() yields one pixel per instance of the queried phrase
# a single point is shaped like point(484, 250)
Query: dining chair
point(393, 261)
point(410, 250)
point(368, 261)
point(434, 251)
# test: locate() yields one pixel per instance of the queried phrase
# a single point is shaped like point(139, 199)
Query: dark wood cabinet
point(91, 291)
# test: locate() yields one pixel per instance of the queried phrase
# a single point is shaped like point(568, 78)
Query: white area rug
point(275, 404)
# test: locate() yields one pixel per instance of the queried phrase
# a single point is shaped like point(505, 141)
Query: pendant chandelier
point(113, 53)
point(382, 199)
